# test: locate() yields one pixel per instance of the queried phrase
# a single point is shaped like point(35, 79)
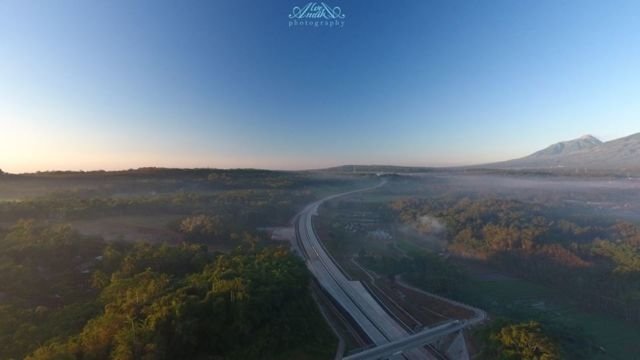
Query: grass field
point(522, 300)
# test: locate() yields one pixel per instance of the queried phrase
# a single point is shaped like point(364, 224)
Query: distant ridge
point(584, 153)
point(377, 168)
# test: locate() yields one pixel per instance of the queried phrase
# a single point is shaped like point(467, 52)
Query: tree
point(523, 341)
point(250, 304)
point(202, 228)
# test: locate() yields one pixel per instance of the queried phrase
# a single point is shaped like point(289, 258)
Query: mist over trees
point(595, 261)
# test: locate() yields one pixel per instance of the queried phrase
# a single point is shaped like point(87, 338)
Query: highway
point(409, 342)
point(352, 296)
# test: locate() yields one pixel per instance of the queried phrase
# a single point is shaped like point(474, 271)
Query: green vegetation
point(202, 227)
point(597, 263)
point(70, 297)
point(252, 304)
point(45, 265)
point(44, 285)
point(247, 198)
point(64, 295)
point(581, 265)
point(423, 269)
point(524, 341)
point(581, 334)
point(538, 257)
point(625, 257)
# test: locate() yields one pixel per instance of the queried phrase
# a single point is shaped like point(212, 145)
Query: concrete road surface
point(354, 299)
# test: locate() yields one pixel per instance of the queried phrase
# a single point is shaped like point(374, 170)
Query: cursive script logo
point(316, 14)
point(316, 11)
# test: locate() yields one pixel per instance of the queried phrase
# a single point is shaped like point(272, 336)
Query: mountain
point(585, 153)
point(568, 147)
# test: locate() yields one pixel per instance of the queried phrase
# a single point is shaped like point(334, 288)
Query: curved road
point(390, 338)
point(352, 296)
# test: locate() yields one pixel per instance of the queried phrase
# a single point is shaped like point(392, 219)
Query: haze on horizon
point(116, 85)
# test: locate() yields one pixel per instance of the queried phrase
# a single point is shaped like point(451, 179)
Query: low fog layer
point(611, 197)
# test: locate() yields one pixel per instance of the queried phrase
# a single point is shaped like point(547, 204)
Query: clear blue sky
point(119, 84)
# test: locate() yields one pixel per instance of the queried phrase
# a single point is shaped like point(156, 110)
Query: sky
point(230, 83)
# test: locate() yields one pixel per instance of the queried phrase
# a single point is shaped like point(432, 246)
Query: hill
point(585, 153)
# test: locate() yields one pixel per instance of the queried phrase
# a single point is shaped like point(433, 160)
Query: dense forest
point(65, 296)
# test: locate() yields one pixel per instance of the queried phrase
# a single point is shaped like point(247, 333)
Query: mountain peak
point(589, 137)
point(569, 147)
